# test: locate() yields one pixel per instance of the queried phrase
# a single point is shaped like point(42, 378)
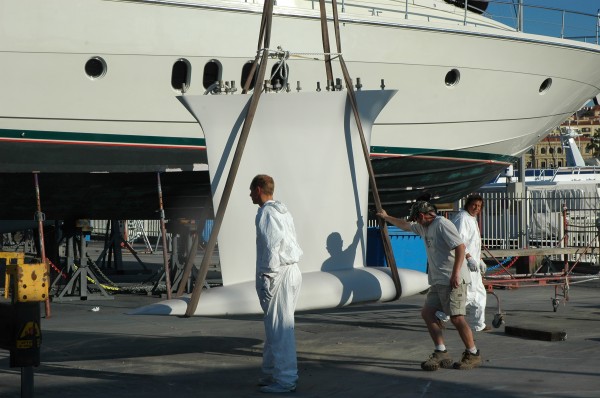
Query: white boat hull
point(54, 118)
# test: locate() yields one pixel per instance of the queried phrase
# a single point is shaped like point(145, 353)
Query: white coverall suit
point(476, 294)
point(278, 281)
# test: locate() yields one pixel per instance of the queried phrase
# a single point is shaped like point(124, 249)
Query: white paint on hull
point(310, 144)
point(319, 290)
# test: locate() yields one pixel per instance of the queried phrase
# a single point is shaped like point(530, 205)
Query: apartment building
point(549, 152)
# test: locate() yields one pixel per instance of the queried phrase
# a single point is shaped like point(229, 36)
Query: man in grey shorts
point(448, 279)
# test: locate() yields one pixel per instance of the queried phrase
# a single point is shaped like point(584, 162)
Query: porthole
point(246, 69)
point(95, 68)
point(213, 71)
point(452, 78)
point(181, 74)
point(545, 86)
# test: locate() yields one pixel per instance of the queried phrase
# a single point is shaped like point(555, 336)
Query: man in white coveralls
point(448, 279)
point(278, 281)
point(468, 228)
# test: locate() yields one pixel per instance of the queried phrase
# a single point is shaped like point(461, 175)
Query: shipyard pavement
point(371, 350)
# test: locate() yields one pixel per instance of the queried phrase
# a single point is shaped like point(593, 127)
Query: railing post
point(466, 8)
point(520, 17)
point(598, 27)
point(406, 10)
point(562, 28)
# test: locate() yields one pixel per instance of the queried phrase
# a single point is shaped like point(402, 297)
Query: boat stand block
point(536, 333)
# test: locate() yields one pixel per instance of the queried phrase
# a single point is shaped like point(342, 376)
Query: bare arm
point(459, 256)
point(398, 222)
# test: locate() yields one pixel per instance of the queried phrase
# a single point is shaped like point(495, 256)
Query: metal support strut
point(40, 219)
point(164, 238)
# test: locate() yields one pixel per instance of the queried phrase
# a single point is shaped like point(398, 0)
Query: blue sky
point(549, 22)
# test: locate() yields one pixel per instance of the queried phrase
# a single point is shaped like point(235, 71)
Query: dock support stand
point(185, 279)
point(77, 287)
point(113, 244)
point(186, 242)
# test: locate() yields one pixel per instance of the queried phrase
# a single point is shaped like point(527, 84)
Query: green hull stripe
point(459, 155)
point(91, 138)
point(119, 139)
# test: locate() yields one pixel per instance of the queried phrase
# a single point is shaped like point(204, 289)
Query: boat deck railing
point(515, 14)
point(549, 21)
point(584, 173)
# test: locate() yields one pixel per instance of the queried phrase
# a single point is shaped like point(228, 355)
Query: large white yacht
point(91, 86)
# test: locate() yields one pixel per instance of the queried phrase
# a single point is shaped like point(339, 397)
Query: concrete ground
point(371, 350)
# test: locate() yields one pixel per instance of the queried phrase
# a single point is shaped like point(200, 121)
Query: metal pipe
point(163, 231)
point(326, 46)
point(598, 27)
point(27, 389)
point(466, 8)
point(40, 218)
point(562, 28)
point(520, 17)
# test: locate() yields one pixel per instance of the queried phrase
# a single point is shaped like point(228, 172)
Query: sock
point(440, 347)
point(472, 350)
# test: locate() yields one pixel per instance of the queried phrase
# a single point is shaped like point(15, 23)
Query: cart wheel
point(555, 303)
point(498, 320)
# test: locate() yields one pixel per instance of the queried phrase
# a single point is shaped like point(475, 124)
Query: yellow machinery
point(27, 282)
point(27, 285)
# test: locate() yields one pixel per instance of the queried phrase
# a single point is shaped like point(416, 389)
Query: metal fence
point(542, 219)
point(142, 231)
point(135, 229)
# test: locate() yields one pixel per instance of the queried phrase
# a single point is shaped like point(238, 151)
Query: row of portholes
point(96, 68)
point(453, 78)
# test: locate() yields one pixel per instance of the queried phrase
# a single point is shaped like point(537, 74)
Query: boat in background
point(90, 87)
point(550, 208)
point(576, 170)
